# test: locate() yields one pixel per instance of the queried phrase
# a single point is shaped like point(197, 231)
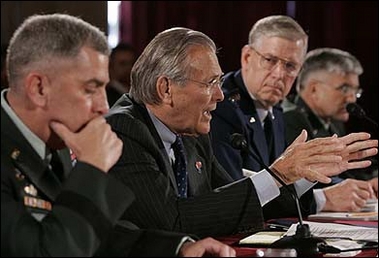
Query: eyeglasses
point(215, 82)
point(268, 62)
point(348, 89)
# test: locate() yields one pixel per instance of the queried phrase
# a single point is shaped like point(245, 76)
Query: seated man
point(167, 156)
point(328, 82)
point(270, 63)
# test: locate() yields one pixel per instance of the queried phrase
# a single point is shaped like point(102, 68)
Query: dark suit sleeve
point(141, 243)
point(82, 216)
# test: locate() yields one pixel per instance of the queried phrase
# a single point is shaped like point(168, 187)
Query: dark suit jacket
point(237, 114)
point(113, 94)
point(211, 209)
point(80, 215)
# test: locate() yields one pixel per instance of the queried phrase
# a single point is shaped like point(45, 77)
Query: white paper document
point(334, 230)
point(262, 238)
point(362, 216)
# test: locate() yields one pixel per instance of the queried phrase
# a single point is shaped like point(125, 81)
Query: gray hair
point(43, 39)
point(166, 55)
point(329, 60)
point(278, 26)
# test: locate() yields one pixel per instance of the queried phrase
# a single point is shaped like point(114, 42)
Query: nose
point(217, 94)
point(100, 104)
point(351, 96)
point(279, 69)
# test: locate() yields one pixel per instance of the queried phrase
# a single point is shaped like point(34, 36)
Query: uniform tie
point(56, 165)
point(269, 133)
point(180, 166)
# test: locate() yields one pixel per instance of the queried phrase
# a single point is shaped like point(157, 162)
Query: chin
point(204, 131)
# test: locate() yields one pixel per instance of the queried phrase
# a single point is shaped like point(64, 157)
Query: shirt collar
point(167, 136)
point(37, 144)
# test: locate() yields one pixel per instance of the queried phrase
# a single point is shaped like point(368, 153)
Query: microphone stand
point(356, 110)
point(303, 242)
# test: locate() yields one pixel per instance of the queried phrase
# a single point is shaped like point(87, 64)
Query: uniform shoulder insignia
point(15, 153)
point(234, 97)
point(31, 190)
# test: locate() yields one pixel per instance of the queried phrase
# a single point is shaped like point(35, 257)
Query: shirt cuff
point(265, 186)
point(184, 239)
point(303, 185)
point(320, 199)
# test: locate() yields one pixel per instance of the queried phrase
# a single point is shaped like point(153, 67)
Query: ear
point(313, 87)
point(164, 89)
point(245, 55)
point(36, 88)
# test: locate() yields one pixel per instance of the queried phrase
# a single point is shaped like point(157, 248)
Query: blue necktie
point(180, 166)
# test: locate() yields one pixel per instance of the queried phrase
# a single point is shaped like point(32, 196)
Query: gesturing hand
point(318, 159)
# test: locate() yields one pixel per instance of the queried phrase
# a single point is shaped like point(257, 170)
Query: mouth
point(207, 114)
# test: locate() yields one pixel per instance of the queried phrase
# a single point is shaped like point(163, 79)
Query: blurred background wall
point(349, 25)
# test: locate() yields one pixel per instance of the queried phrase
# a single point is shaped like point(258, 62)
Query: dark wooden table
point(247, 251)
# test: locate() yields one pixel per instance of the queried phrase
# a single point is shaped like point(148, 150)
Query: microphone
point(238, 141)
point(356, 110)
point(305, 244)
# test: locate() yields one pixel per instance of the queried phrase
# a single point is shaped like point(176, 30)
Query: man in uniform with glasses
point(328, 81)
point(270, 63)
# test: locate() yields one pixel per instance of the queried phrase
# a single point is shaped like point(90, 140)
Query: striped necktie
point(180, 166)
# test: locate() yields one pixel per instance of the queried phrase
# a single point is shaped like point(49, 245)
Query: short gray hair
point(166, 55)
point(42, 39)
point(329, 60)
point(278, 26)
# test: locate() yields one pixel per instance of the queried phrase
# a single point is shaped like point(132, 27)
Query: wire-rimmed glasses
point(268, 62)
point(212, 84)
point(346, 89)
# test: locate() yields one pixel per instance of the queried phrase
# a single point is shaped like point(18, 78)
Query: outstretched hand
point(320, 158)
point(302, 159)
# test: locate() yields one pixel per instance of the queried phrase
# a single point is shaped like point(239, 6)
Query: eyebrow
point(98, 83)
point(218, 75)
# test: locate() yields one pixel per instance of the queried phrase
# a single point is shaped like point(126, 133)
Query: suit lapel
point(39, 174)
point(252, 122)
point(279, 133)
point(167, 161)
point(26, 160)
point(140, 112)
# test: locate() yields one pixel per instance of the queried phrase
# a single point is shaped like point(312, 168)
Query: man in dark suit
point(58, 69)
point(328, 81)
point(167, 157)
